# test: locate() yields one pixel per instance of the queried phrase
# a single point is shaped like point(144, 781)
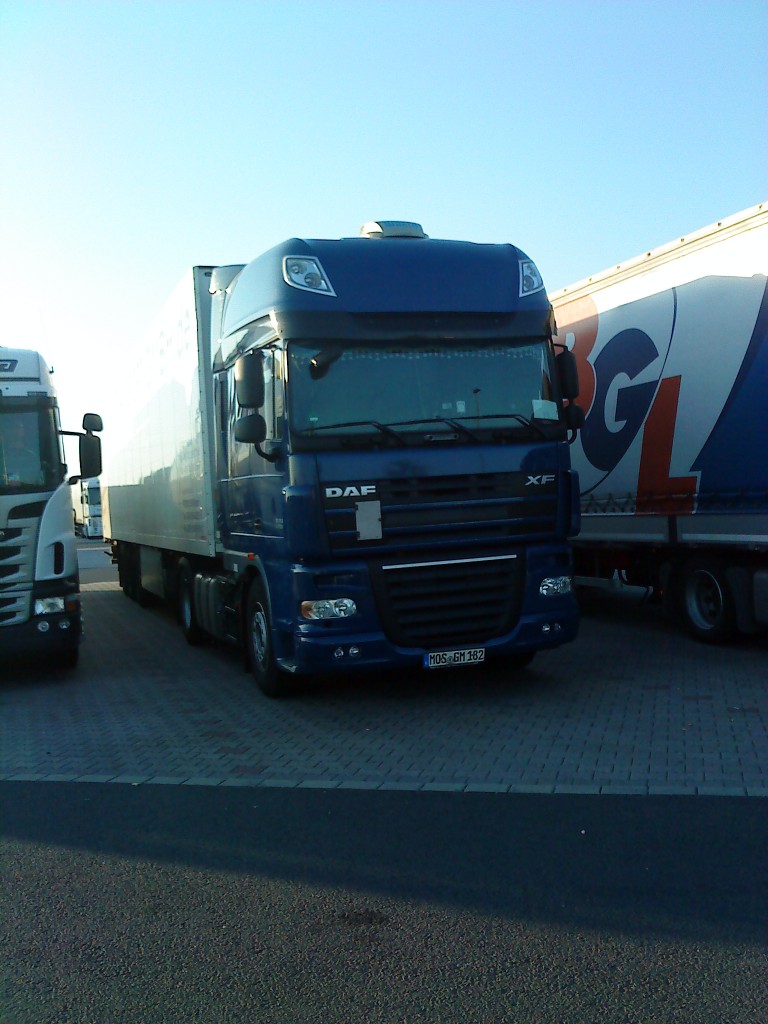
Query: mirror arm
point(271, 456)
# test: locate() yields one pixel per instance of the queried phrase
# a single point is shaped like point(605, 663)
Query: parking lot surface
point(633, 706)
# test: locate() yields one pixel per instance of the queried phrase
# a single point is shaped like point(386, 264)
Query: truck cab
point(392, 448)
point(39, 580)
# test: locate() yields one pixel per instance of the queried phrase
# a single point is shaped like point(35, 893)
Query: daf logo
point(542, 478)
point(351, 491)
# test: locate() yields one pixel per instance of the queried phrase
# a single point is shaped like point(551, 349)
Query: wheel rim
point(259, 637)
point(704, 600)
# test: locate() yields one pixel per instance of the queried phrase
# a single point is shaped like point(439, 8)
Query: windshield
point(30, 458)
point(429, 391)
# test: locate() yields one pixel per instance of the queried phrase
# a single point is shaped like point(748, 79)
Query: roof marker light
point(306, 273)
point(392, 229)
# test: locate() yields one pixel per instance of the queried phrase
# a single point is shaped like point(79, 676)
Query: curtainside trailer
point(672, 355)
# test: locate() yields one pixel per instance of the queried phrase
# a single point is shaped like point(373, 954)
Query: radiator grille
point(449, 603)
point(18, 544)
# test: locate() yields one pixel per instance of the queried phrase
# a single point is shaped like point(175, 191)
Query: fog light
point(49, 605)
point(64, 624)
point(43, 626)
point(338, 653)
point(556, 585)
point(354, 652)
point(546, 628)
point(336, 608)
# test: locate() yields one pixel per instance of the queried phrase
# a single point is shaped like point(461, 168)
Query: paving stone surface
point(632, 707)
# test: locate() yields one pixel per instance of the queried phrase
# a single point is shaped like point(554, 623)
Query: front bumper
point(337, 650)
point(44, 634)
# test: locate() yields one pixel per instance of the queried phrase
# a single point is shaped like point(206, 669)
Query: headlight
point(556, 585)
point(336, 608)
point(49, 605)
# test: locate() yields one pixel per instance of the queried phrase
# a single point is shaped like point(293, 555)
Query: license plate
point(445, 659)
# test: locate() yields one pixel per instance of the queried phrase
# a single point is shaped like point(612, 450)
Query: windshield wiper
point(522, 420)
point(456, 423)
point(384, 428)
point(441, 419)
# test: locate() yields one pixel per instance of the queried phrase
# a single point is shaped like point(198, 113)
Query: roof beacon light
point(305, 272)
point(530, 279)
point(392, 229)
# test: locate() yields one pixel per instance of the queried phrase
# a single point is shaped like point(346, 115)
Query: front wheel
point(258, 637)
point(706, 601)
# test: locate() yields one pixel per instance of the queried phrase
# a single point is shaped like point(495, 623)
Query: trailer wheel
point(706, 601)
point(258, 637)
point(187, 615)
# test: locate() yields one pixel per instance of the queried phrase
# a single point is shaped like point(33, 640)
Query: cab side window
point(273, 391)
point(244, 460)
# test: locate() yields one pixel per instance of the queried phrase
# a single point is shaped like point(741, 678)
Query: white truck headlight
point(49, 605)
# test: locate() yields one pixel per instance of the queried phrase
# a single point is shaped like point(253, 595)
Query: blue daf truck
point(353, 454)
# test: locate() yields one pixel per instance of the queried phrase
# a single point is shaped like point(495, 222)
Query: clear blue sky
point(139, 138)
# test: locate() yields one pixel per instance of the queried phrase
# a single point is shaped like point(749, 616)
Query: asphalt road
point(174, 904)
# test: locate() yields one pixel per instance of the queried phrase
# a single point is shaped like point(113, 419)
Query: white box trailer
point(672, 352)
point(166, 473)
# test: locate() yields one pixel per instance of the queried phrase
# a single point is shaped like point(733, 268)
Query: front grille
point(449, 603)
point(446, 511)
point(18, 544)
point(14, 608)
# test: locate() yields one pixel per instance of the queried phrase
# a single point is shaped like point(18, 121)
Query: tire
point(706, 601)
point(187, 616)
point(258, 638)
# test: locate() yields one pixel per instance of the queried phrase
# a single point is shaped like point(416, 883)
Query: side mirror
point(91, 422)
point(90, 454)
point(251, 429)
point(249, 382)
point(565, 362)
point(574, 416)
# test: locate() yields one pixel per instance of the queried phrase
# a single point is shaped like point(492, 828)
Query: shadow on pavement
point(662, 866)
